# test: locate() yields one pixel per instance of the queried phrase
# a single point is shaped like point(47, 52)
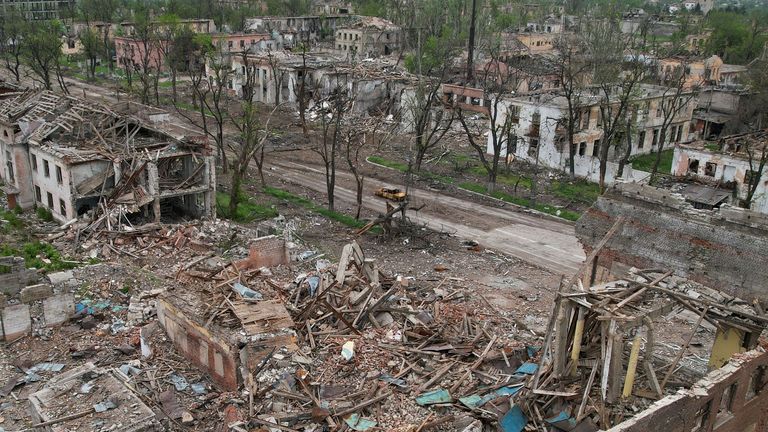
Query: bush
point(44, 214)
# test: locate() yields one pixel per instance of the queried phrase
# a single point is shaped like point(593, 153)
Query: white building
point(539, 134)
point(726, 164)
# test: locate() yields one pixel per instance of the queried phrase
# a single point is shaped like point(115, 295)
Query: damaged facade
point(736, 164)
point(539, 135)
point(71, 156)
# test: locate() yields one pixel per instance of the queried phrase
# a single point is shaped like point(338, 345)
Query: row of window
point(49, 201)
point(344, 36)
point(47, 169)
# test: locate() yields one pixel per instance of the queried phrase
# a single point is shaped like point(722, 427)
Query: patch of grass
point(303, 202)
point(714, 147)
point(44, 214)
point(14, 222)
point(402, 167)
point(38, 255)
point(577, 190)
point(247, 210)
point(645, 162)
point(523, 202)
point(502, 178)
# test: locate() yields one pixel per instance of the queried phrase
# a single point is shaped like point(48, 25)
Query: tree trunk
point(234, 192)
point(359, 180)
point(657, 160)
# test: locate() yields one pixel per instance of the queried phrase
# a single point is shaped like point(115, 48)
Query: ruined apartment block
point(540, 135)
point(70, 156)
point(730, 164)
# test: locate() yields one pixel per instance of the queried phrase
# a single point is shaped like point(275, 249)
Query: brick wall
point(720, 249)
point(204, 349)
point(733, 398)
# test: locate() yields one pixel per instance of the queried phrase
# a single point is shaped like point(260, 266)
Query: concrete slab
point(59, 278)
point(16, 322)
point(34, 293)
point(58, 309)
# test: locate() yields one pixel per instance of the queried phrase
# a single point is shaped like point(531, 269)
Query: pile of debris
point(348, 344)
point(606, 355)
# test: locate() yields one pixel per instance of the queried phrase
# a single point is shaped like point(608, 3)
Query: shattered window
point(710, 169)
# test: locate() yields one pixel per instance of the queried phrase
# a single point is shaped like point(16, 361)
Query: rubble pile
point(606, 356)
point(363, 349)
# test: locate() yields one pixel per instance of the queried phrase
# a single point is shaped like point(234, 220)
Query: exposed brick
point(265, 252)
point(720, 249)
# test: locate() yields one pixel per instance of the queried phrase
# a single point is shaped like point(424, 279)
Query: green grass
point(44, 214)
point(502, 178)
point(523, 202)
point(247, 210)
point(578, 190)
point(645, 162)
point(14, 222)
point(35, 254)
point(309, 205)
point(388, 163)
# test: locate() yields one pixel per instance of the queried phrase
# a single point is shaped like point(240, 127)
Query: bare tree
point(250, 144)
point(757, 155)
point(617, 67)
point(674, 100)
point(278, 74)
point(573, 74)
point(303, 87)
point(497, 81)
point(13, 28)
point(331, 112)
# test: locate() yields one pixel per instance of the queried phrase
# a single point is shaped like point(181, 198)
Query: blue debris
point(246, 292)
point(527, 368)
point(104, 406)
point(313, 282)
point(387, 378)
point(358, 423)
point(532, 350)
point(50, 367)
point(514, 420)
point(179, 382)
point(434, 397)
point(129, 370)
point(199, 388)
point(83, 308)
point(562, 421)
point(476, 401)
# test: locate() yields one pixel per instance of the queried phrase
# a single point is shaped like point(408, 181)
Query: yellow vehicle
point(391, 194)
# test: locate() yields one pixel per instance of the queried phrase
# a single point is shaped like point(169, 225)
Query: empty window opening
point(693, 166)
point(62, 208)
point(34, 163)
point(50, 200)
point(46, 168)
point(59, 177)
point(582, 148)
point(38, 194)
point(641, 140)
point(533, 147)
point(596, 148)
point(710, 169)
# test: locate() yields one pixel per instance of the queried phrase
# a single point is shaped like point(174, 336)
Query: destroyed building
point(539, 133)
point(367, 37)
point(733, 164)
point(71, 156)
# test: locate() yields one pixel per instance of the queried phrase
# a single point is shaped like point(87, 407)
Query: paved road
point(548, 243)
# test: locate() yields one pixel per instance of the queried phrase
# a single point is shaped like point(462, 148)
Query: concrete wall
point(733, 398)
point(50, 184)
point(727, 168)
point(211, 353)
point(720, 249)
